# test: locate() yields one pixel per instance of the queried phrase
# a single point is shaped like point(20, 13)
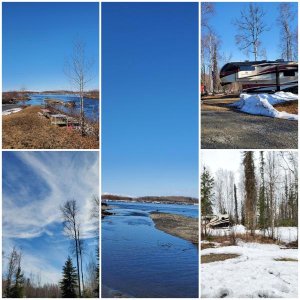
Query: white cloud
point(67, 176)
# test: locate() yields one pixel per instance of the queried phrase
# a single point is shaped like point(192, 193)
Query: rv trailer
point(216, 221)
point(262, 76)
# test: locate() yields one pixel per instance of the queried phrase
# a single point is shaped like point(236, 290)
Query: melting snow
point(262, 104)
point(254, 273)
point(11, 111)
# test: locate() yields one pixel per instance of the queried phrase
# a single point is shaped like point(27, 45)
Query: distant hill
point(151, 199)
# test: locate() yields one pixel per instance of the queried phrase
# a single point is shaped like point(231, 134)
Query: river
point(141, 261)
point(91, 106)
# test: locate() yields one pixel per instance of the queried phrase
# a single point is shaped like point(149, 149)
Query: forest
point(262, 196)
point(80, 273)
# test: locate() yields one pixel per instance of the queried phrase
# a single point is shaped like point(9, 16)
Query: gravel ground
point(234, 130)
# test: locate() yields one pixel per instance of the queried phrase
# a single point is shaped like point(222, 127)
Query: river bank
point(179, 226)
point(27, 130)
point(138, 258)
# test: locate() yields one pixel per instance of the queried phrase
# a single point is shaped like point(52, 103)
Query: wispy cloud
point(66, 176)
point(35, 185)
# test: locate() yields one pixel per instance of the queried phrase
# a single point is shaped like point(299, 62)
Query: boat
point(262, 76)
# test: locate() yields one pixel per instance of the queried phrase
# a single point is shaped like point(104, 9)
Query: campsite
point(249, 83)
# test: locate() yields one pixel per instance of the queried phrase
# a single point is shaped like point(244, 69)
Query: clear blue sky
point(222, 23)
point(150, 98)
point(35, 185)
point(37, 38)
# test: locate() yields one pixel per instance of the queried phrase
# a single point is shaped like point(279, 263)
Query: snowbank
point(255, 273)
point(283, 234)
point(262, 104)
point(11, 111)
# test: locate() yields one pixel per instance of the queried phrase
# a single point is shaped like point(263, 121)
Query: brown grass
point(207, 245)
point(285, 259)
point(289, 107)
point(26, 130)
point(228, 240)
point(217, 257)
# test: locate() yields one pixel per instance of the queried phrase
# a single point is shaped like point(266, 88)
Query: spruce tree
point(69, 283)
point(17, 290)
point(207, 184)
point(250, 191)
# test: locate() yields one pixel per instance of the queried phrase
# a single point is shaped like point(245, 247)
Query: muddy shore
point(176, 225)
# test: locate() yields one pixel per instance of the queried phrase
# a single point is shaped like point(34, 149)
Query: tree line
point(250, 27)
point(263, 196)
point(78, 280)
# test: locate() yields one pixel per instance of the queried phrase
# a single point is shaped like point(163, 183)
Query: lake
point(140, 261)
point(91, 106)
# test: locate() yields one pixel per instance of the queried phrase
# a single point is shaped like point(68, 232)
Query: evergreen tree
point(17, 290)
point(207, 184)
point(250, 191)
point(69, 283)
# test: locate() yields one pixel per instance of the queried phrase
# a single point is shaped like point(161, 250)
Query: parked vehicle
point(262, 76)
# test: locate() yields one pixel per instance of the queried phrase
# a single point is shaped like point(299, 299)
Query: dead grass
point(217, 257)
point(207, 245)
point(26, 130)
point(217, 103)
point(229, 241)
point(289, 107)
point(285, 259)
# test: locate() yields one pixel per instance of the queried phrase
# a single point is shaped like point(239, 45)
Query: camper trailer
point(262, 76)
point(216, 221)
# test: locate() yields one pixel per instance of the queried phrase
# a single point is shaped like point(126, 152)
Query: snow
point(254, 273)
point(283, 234)
point(262, 104)
point(11, 111)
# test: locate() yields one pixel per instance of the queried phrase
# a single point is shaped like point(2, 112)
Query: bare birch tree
point(250, 26)
point(71, 226)
point(286, 16)
point(78, 69)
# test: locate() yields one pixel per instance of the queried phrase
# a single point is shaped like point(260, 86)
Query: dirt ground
point(27, 130)
point(180, 226)
point(226, 128)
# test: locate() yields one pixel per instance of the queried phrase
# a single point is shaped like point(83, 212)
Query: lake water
point(141, 261)
point(91, 106)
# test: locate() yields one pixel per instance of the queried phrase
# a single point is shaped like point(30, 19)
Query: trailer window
point(289, 73)
point(247, 68)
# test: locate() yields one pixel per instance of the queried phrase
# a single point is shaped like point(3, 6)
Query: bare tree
point(250, 26)
point(71, 226)
point(286, 16)
point(78, 69)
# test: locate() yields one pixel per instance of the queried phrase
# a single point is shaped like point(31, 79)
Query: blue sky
point(222, 23)
point(35, 185)
point(150, 98)
point(37, 39)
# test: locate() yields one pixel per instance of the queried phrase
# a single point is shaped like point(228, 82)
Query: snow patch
point(262, 104)
point(254, 273)
point(11, 111)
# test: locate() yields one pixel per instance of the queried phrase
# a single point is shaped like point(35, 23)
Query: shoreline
point(177, 225)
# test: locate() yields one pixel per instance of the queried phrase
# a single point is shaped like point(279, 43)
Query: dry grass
point(285, 259)
point(26, 130)
point(229, 241)
point(289, 107)
point(217, 257)
point(207, 245)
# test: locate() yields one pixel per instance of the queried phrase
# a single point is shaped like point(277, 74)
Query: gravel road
point(234, 130)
